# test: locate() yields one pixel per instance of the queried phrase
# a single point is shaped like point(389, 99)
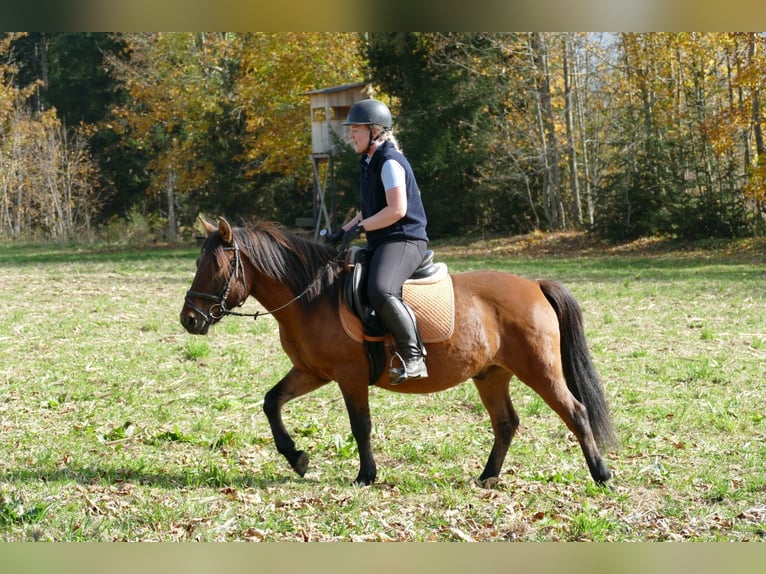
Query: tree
point(179, 85)
point(739, 122)
point(224, 116)
point(46, 173)
point(440, 91)
point(626, 134)
point(548, 138)
point(276, 72)
point(678, 172)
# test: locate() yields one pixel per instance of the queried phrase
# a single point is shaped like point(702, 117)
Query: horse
point(505, 325)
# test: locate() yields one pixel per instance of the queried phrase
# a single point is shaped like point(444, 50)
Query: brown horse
point(505, 326)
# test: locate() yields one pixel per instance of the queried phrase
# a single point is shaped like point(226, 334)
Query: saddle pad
point(433, 304)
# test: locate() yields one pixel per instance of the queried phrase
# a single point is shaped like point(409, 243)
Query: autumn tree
point(177, 84)
point(47, 176)
point(276, 71)
point(626, 134)
point(225, 117)
point(736, 127)
point(506, 126)
point(672, 170)
point(12, 188)
point(68, 72)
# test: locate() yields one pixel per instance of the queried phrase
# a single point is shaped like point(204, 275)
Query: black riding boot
point(400, 321)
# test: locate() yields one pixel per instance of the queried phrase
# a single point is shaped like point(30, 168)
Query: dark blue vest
point(373, 198)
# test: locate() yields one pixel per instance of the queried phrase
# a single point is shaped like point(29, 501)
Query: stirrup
point(399, 375)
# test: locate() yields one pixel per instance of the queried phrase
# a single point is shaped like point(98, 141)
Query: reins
point(290, 302)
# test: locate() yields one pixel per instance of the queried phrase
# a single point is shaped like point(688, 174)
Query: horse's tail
point(579, 372)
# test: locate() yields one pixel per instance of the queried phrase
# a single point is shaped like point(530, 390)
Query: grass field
point(117, 425)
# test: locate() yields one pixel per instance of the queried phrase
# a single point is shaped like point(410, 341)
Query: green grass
point(117, 425)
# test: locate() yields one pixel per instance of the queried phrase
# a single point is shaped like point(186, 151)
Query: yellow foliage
point(10, 95)
point(277, 71)
point(755, 186)
point(181, 83)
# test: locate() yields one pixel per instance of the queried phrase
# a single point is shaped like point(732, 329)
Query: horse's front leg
point(293, 385)
point(356, 397)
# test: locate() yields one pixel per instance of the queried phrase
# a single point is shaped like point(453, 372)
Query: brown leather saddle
point(428, 292)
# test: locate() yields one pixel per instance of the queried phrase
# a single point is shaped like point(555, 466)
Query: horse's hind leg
point(554, 392)
point(292, 385)
point(492, 385)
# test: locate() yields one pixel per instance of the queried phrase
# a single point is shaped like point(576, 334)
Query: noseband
point(218, 309)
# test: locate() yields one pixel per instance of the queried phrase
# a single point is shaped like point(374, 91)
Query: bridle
point(219, 309)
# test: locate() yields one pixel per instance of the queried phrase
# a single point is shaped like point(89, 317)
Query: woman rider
point(394, 221)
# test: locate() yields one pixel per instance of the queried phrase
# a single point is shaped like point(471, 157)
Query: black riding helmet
point(369, 112)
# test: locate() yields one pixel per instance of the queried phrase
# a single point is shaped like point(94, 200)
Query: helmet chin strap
point(369, 143)
point(373, 141)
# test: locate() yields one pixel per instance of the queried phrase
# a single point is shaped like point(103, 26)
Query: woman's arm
point(394, 181)
point(396, 208)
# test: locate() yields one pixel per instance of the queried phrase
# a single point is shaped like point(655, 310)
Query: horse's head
point(220, 283)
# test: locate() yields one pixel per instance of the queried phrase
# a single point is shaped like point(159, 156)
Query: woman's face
point(359, 137)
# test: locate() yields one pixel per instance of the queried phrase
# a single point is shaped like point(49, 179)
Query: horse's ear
point(208, 227)
point(224, 230)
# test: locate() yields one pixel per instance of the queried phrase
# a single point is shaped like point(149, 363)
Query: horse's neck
point(277, 297)
point(270, 293)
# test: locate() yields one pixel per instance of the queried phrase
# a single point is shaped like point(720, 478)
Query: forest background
point(113, 136)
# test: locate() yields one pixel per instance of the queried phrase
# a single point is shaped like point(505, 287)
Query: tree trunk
point(760, 147)
point(584, 143)
point(170, 192)
point(569, 96)
point(549, 143)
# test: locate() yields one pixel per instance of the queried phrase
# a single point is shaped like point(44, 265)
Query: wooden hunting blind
point(329, 109)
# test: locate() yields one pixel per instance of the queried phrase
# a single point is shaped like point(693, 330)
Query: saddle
point(428, 292)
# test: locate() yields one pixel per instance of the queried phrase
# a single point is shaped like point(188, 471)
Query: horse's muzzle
point(194, 322)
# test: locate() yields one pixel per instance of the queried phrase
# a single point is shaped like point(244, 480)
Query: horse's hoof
point(490, 482)
point(606, 486)
point(363, 480)
point(301, 463)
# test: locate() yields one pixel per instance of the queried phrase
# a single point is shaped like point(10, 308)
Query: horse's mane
point(303, 265)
